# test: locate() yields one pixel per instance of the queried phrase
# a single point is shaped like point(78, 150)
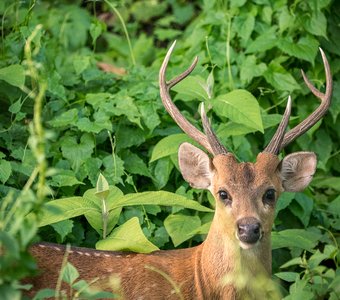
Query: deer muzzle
point(249, 230)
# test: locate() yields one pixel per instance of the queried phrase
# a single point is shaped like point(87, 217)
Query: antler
point(281, 140)
point(208, 140)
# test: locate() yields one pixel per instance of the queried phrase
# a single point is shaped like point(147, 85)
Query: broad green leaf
point(14, 75)
point(80, 63)
point(316, 23)
point(327, 182)
point(279, 78)
point(63, 228)
point(241, 107)
point(64, 178)
point(306, 48)
point(181, 227)
point(284, 200)
point(263, 42)
point(334, 206)
point(169, 145)
point(249, 69)
point(244, 26)
point(286, 19)
point(134, 164)
point(167, 34)
point(114, 195)
point(193, 86)
point(70, 273)
point(287, 276)
point(5, 170)
point(233, 129)
point(159, 198)
point(94, 217)
point(86, 125)
point(63, 209)
point(302, 208)
point(127, 237)
point(295, 238)
point(162, 172)
point(77, 151)
point(293, 262)
point(65, 119)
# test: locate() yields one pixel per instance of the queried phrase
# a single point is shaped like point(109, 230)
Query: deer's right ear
point(196, 166)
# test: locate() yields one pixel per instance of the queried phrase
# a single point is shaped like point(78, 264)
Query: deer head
point(245, 193)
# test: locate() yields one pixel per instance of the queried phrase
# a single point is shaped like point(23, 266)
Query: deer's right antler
point(208, 140)
point(280, 139)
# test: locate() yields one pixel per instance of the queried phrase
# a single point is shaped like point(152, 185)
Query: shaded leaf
point(127, 237)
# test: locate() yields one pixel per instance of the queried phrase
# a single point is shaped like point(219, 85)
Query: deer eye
point(225, 197)
point(269, 196)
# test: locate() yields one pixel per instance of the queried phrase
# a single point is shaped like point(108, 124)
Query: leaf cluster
point(81, 109)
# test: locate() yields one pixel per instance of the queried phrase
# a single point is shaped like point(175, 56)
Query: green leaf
point(284, 200)
point(65, 119)
point(94, 217)
point(194, 87)
point(315, 24)
point(263, 42)
point(279, 78)
point(5, 170)
point(77, 152)
point(80, 63)
point(306, 48)
point(162, 172)
point(169, 145)
point(244, 26)
point(302, 208)
point(63, 228)
point(70, 274)
point(95, 30)
point(134, 164)
point(287, 276)
point(241, 107)
point(327, 182)
point(181, 227)
point(249, 69)
point(127, 237)
point(64, 178)
point(63, 209)
point(159, 198)
point(14, 75)
point(295, 238)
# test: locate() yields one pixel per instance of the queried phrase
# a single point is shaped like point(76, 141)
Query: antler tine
point(165, 87)
point(319, 112)
point(274, 145)
point(216, 145)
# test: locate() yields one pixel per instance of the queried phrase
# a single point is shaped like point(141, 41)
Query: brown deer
point(238, 245)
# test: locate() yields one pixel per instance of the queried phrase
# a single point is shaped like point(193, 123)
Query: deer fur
point(200, 272)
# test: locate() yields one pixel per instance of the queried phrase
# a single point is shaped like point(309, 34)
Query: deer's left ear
point(297, 170)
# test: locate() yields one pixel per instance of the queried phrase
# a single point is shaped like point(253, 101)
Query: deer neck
point(222, 261)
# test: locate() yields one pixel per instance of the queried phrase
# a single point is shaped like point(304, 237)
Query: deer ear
point(297, 170)
point(195, 166)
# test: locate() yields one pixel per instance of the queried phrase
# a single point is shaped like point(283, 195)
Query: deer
point(239, 239)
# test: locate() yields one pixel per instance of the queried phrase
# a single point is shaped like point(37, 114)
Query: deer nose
point(248, 230)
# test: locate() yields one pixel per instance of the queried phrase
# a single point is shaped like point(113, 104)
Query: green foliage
point(86, 143)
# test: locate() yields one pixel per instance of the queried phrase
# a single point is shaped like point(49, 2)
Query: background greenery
point(79, 98)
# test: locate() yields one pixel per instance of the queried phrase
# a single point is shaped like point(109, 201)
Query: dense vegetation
point(82, 121)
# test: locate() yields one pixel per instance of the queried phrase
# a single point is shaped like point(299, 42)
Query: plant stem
point(105, 215)
point(230, 76)
point(124, 28)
